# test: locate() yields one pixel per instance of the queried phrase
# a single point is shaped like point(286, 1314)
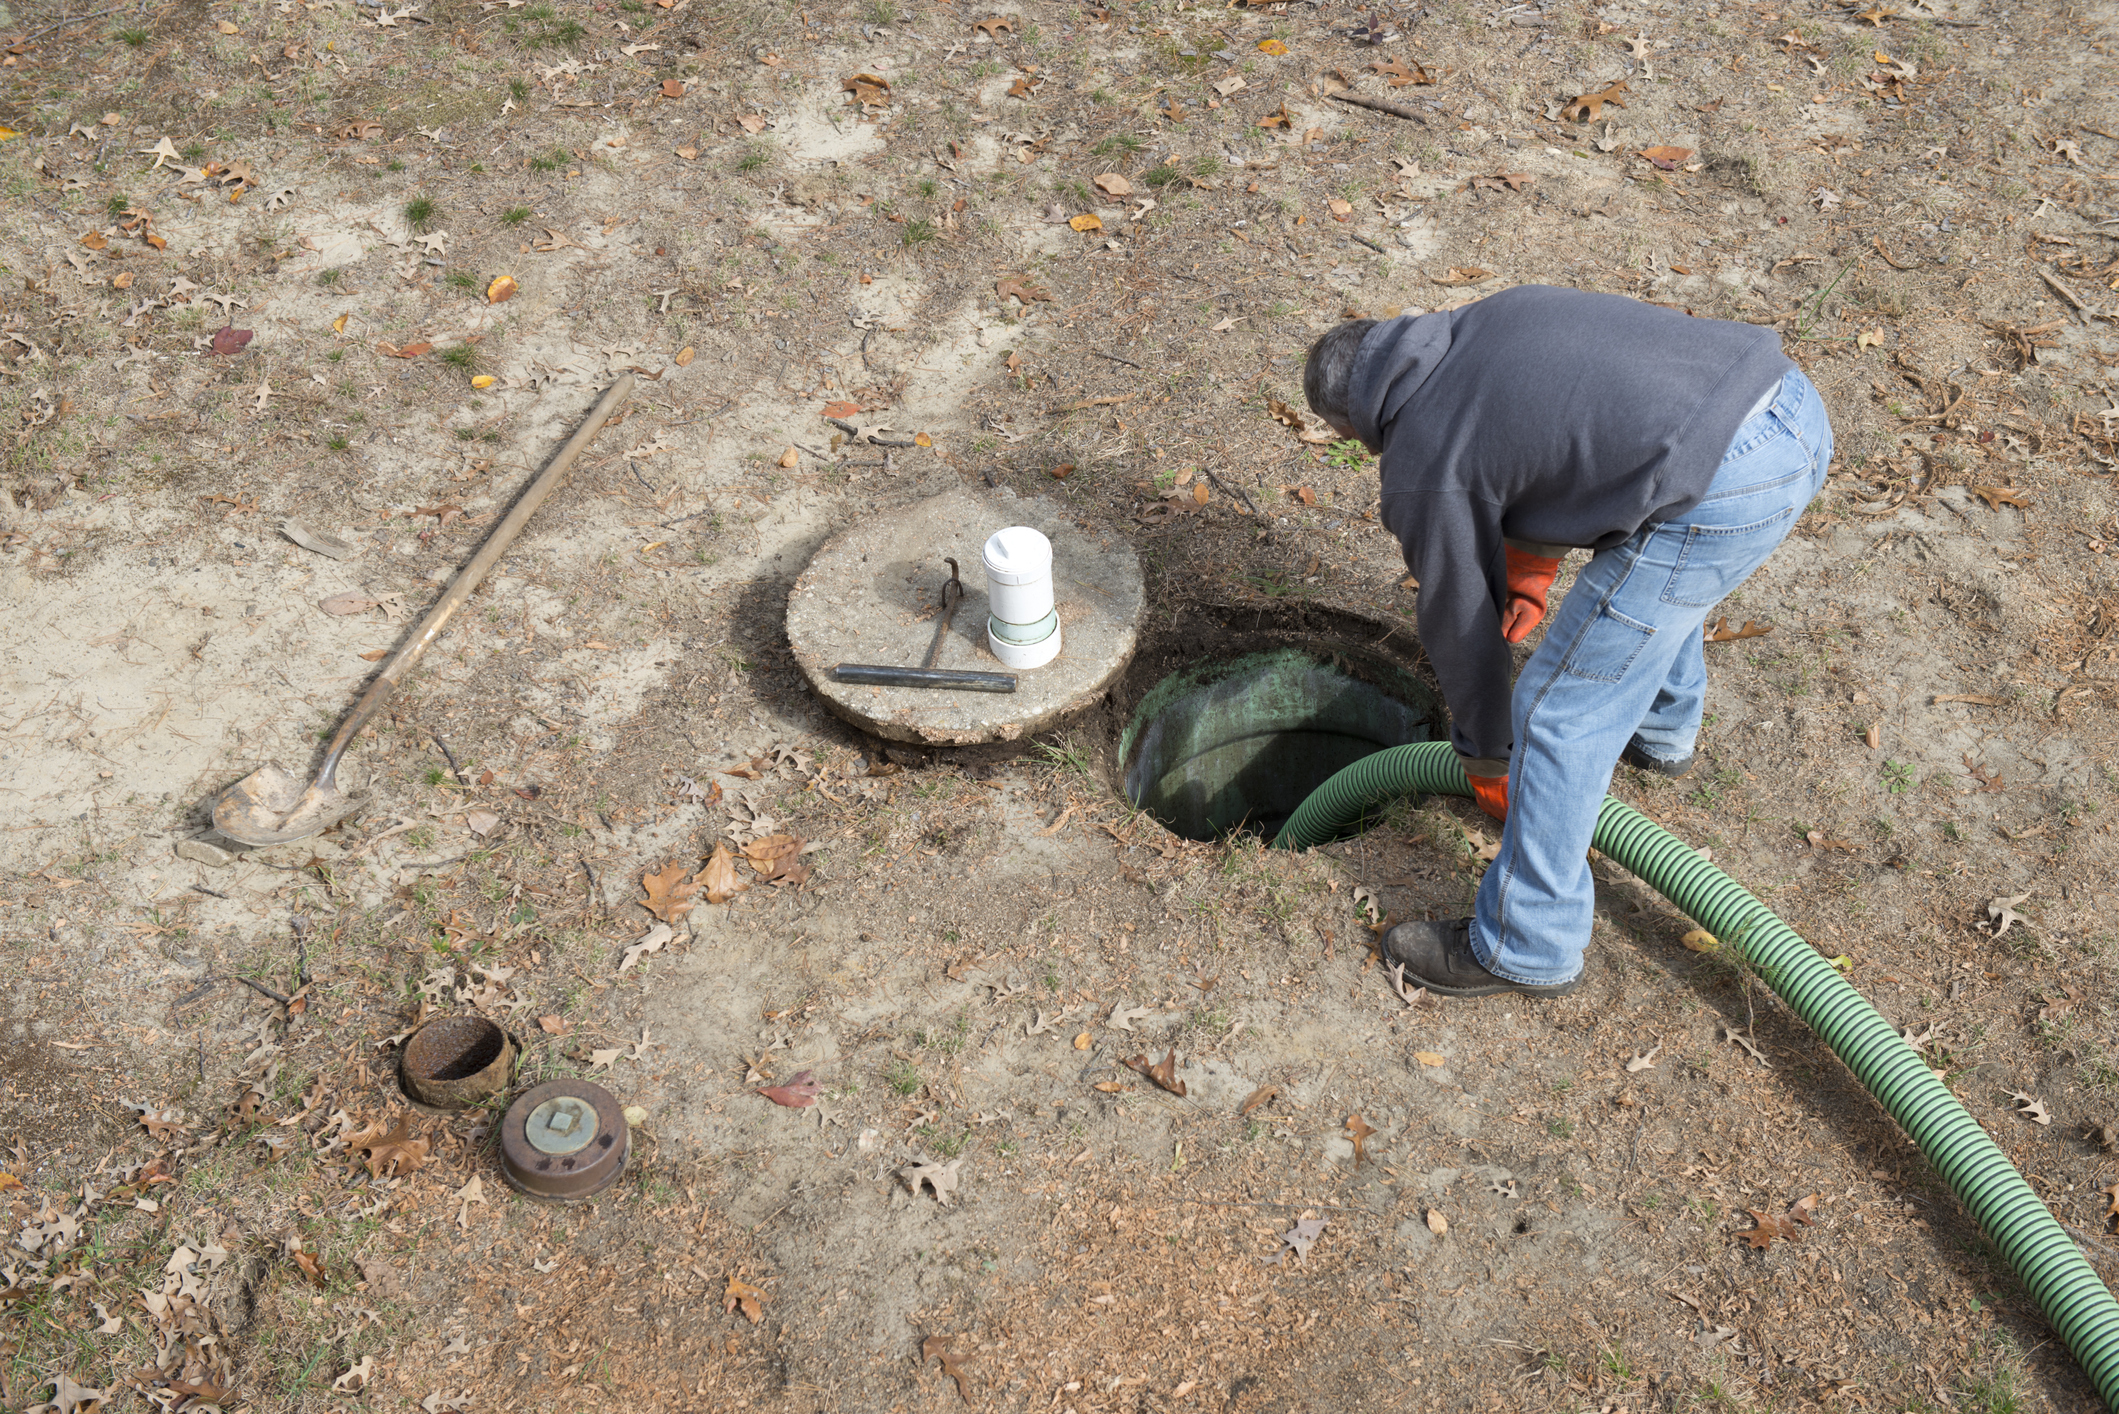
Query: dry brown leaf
point(311, 1267)
point(1200, 493)
point(774, 854)
point(1998, 496)
point(1112, 1087)
point(1400, 73)
point(396, 1150)
point(1087, 221)
point(1436, 1223)
point(742, 1294)
point(684, 357)
point(1359, 1129)
point(1022, 289)
point(1022, 88)
point(1430, 1058)
point(1666, 158)
point(798, 1093)
point(1257, 1097)
point(670, 896)
point(1461, 275)
point(1285, 415)
point(1112, 184)
point(994, 27)
point(1588, 106)
point(1504, 181)
point(501, 290)
point(1162, 1072)
point(673, 88)
point(1305, 495)
point(1722, 633)
point(1876, 15)
point(936, 1347)
point(719, 876)
point(1278, 118)
point(1769, 1227)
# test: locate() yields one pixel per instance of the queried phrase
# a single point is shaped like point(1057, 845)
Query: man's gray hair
point(1331, 368)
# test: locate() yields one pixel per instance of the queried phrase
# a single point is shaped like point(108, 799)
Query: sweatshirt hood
point(1394, 360)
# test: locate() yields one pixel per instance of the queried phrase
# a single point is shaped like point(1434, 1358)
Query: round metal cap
point(563, 1141)
point(561, 1126)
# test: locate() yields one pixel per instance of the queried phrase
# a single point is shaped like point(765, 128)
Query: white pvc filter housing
point(1024, 655)
point(1018, 563)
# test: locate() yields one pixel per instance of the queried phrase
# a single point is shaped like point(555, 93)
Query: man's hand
point(1491, 792)
point(1529, 576)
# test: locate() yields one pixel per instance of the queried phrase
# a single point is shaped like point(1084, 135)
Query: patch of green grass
point(463, 280)
point(459, 356)
point(515, 215)
point(551, 161)
point(1126, 143)
point(118, 204)
point(541, 27)
point(395, 166)
point(327, 278)
point(337, 442)
point(882, 12)
point(1898, 777)
point(420, 212)
point(519, 89)
point(1349, 452)
point(1206, 165)
point(756, 156)
point(919, 232)
point(1162, 176)
point(902, 1076)
point(928, 187)
point(1561, 1129)
point(133, 37)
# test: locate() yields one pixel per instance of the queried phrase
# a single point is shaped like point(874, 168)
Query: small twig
point(210, 893)
point(1209, 1203)
point(682, 519)
point(1099, 353)
point(2062, 290)
point(633, 467)
point(260, 987)
point(1236, 491)
point(79, 19)
point(454, 769)
point(1379, 106)
point(1370, 244)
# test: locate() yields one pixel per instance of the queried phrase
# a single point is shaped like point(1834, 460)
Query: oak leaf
point(719, 876)
point(1358, 1129)
point(842, 409)
point(1588, 106)
point(773, 855)
point(1023, 290)
point(993, 28)
point(740, 1294)
point(1998, 496)
point(1462, 275)
point(1722, 633)
point(396, 1149)
point(229, 340)
point(1298, 1238)
point(1162, 1072)
point(1256, 1098)
point(670, 896)
point(936, 1347)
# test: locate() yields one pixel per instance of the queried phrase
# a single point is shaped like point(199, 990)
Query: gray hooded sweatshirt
point(1552, 417)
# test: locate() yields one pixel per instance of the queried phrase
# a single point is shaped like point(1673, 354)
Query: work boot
point(1438, 956)
point(1637, 757)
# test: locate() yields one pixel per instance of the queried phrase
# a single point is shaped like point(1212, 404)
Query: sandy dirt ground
point(1074, 252)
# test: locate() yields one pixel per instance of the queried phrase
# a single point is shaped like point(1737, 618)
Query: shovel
point(270, 806)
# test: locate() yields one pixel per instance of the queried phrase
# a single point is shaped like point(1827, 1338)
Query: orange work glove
point(1529, 576)
point(1491, 792)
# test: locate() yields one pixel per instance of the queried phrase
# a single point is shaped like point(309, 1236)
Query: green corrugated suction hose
point(2072, 1296)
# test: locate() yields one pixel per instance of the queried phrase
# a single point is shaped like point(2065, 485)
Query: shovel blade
point(269, 806)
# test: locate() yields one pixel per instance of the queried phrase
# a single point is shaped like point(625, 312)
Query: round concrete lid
point(872, 594)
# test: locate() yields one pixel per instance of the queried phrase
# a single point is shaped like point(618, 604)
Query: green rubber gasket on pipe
point(2068, 1290)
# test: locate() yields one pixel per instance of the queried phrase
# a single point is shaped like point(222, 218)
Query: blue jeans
point(1622, 660)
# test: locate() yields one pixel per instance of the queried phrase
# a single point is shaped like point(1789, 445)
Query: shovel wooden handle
point(469, 577)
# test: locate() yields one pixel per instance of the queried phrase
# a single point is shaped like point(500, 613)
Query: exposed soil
point(215, 1205)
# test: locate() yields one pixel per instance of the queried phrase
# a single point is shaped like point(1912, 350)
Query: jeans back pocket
point(1607, 647)
point(1716, 559)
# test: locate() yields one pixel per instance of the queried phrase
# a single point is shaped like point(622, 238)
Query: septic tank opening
point(1239, 744)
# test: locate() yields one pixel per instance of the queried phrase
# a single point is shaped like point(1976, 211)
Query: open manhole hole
point(1236, 743)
